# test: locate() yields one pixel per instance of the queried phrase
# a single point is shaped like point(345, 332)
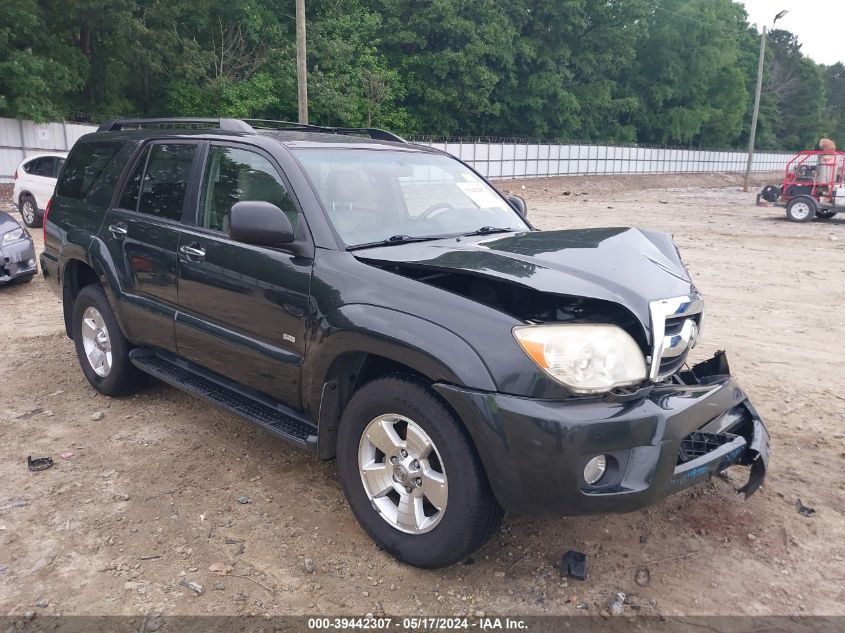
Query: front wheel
point(801, 209)
point(411, 474)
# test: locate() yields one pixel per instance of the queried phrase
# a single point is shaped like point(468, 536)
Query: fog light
point(31, 263)
point(594, 469)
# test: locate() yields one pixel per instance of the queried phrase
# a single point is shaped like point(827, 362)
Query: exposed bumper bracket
point(757, 454)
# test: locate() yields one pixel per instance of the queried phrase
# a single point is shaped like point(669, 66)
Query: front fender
point(428, 348)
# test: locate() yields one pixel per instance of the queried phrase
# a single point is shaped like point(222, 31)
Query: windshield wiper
point(395, 240)
point(484, 230)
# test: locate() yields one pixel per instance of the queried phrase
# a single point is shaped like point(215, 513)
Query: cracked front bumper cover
point(534, 451)
point(14, 260)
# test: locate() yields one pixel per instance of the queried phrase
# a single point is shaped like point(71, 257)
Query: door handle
point(196, 252)
point(118, 230)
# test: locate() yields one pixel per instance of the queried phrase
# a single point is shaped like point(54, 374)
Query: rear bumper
point(50, 269)
point(17, 261)
point(535, 451)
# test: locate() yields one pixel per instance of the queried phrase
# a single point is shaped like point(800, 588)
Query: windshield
point(371, 196)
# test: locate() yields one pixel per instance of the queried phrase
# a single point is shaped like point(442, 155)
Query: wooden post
point(301, 69)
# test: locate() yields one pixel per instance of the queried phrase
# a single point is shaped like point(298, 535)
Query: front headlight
point(585, 358)
point(15, 235)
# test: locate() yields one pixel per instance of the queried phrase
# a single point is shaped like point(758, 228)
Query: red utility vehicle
point(813, 186)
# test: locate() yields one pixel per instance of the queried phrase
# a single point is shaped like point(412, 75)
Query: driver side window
point(234, 175)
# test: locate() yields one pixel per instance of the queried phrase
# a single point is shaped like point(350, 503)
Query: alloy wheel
point(28, 211)
point(403, 474)
point(96, 341)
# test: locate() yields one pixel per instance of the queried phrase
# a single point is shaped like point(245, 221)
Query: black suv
point(379, 302)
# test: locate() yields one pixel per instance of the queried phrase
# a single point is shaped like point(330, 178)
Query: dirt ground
point(148, 500)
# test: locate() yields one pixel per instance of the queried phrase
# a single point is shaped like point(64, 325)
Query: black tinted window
point(84, 167)
point(233, 175)
point(129, 197)
point(166, 180)
point(45, 166)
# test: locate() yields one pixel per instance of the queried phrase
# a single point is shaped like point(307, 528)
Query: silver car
point(17, 252)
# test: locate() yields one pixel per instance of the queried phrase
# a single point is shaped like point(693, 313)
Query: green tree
point(834, 116)
point(37, 73)
point(687, 81)
point(451, 55)
point(798, 87)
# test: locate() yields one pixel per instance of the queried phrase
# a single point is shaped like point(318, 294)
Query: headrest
point(345, 187)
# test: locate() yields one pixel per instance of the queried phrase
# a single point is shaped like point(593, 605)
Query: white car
point(35, 180)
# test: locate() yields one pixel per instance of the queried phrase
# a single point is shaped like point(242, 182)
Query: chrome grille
point(676, 325)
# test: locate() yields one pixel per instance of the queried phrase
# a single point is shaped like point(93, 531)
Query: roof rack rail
point(227, 125)
point(373, 132)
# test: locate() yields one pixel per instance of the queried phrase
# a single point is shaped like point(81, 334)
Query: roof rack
point(246, 125)
point(227, 125)
point(373, 132)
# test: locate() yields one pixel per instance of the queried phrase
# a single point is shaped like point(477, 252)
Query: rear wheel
point(411, 474)
point(801, 209)
point(826, 214)
point(29, 211)
point(102, 349)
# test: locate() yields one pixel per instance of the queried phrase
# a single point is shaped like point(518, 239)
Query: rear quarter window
point(92, 170)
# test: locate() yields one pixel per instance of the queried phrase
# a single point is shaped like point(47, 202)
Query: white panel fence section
point(19, 139)
point(540, 160)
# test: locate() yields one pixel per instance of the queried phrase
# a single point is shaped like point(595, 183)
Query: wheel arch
point(76, 274)
point(346, 360)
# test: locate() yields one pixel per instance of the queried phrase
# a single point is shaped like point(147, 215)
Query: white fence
point(19, 139)
point(540, 160)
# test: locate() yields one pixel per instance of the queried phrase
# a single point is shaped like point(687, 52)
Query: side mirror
point(259, 223)
point(518, 203)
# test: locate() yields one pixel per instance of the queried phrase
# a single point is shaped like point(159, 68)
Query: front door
point(142, 235)
point(243, 308)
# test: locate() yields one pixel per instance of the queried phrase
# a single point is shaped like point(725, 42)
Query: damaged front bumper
point(17, 261)
point(655, 442)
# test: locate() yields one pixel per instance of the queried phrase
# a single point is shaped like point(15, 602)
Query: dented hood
point(627, 266)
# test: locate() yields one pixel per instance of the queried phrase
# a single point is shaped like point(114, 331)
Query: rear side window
point(85, 176)
point(44, 166)
point(165, 180)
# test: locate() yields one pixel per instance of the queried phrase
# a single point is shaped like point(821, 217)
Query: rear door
point(243, 308)
point(141, 233)
point(42, 177)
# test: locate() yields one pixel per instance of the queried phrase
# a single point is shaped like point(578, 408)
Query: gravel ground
point(146, 501)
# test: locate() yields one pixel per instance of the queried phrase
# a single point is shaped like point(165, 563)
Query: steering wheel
point(437, 206)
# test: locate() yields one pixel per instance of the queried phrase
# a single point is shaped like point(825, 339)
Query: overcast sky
point(819, 24)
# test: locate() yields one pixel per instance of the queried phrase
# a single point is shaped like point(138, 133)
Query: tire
point(116, 376)
point(801, 209)
point(470, 513)
point(825, 214)
point(29, 211)
point(770, 193)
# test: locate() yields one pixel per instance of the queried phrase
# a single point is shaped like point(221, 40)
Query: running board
point(196, 381)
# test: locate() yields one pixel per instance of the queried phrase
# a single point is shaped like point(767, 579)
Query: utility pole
point(756, 111)
point(301, 69)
